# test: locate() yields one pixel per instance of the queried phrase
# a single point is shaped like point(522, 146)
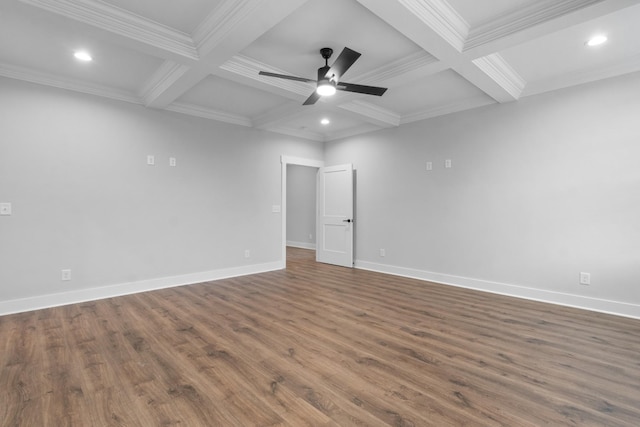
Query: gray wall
point(539, 191)
point(301, 206)
point(74, 168)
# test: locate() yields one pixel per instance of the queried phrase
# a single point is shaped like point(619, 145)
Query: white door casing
point(334, 224)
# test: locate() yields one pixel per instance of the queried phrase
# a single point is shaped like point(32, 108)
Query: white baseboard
point(569, 300)
point(302, 245)
point(92, 294)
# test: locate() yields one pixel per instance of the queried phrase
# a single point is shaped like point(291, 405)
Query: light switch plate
point(5, 208)
point(151, 160)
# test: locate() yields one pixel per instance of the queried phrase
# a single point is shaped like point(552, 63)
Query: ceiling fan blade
point(283, 76)
point(369, 90)
point(343, 62)
point(312, 99)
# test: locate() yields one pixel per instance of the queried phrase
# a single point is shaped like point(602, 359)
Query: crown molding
point(629, 65)
point(441, 18)
point(121, 22)
point(217, 25)
point(526, 17)
point(208, 113)
point(162, 79)
point(397, 68)
point(299, 133)
point(352, 131)
point(372, 113)
point(455, 107)
point(46, 79)
point(499, 70)
point(247, 67)
point(278, 114)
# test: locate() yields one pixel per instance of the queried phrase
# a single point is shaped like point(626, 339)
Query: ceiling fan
point(329, 77)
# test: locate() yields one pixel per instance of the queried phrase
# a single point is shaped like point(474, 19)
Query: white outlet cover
point(447, 163)
point(151, 160)
point(5, 208)
point(172, 161)
point(275, 208)
point(429, 166)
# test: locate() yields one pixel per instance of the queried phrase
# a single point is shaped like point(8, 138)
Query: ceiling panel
point(47, 44)
point(440, 89)
point(182, 15)
point(565, 52)
point(294, 44)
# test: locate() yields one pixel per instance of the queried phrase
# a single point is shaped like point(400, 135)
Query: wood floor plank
point(318, 345)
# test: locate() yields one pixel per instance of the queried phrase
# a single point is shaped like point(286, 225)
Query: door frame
point(284, 161)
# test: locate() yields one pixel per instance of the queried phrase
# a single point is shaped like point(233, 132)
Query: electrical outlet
point(151, 160)
point(247, 253)
point(172, 161)
point(383, 252)
point(65, 275)
point(447, 163)
point(275, 208)
point(429, 166)
point(585, 278)
point(310, 236)
point(5, 208)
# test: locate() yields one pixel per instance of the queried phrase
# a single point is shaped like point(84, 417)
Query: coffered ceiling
point(202, 57)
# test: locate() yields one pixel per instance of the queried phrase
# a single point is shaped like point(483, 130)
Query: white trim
point(209, 113)
point(92, 294)
point(284, 161)
point(441, 18)
point(301, 245)
point(501, 72)
point(46, 79)
point(559, 298)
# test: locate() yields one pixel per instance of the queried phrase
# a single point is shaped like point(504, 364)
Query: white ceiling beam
point(438, 29)
point(231, 27)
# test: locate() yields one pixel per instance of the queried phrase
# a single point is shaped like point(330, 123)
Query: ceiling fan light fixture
point(326, 88)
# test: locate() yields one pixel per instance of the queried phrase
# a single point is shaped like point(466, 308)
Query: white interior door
point(334, 224)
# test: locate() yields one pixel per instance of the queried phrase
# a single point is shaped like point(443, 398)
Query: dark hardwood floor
point(317, 345)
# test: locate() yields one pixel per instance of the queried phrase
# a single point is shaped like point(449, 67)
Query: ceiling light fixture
point(325, 121)
point(596, 40)
point(326, 88)
point(82, 55)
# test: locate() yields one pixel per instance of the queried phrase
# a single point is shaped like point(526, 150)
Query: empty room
point(319, 213)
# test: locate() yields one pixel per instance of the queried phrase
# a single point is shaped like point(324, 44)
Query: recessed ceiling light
point(597, 40)
point(82, 55)
point(325, 121)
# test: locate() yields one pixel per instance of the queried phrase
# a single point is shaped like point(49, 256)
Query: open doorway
point(299, 206)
